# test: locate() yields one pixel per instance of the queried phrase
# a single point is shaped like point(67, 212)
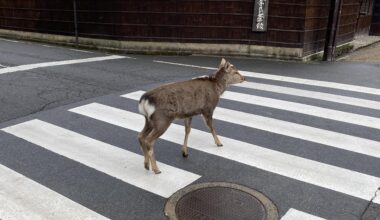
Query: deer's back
point(184, 99)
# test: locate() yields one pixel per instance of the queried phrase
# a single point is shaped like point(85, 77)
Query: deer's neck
point(221, 82)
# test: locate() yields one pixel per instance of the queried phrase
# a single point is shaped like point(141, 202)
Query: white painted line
point(293, 214)
point(49, 46)
point(22, 198)
point(57, 63)
point(83, 51)
point(364, 103)
point(132, 58)
point(2, 66)
point(305, 170)
point(333, 85)
point(13, 41)
point(377, 197)
point(111, 160)
point(296, 80)
point(346, 117)
point(186, 65)
point(317, 135)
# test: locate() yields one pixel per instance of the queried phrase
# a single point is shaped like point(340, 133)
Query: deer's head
point(231, 74)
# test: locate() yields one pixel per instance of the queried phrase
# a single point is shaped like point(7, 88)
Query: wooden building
point(294, 29)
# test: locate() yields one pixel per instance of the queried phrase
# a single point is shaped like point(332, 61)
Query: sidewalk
point(366, 49)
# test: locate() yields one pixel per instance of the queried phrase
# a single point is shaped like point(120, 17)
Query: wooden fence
point(291, 23)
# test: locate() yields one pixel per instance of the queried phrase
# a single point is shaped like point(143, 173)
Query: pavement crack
point(376, 194)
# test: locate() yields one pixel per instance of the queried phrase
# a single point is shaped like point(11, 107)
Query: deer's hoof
point(157, 171)
point(185, 155)
point(146, 166)
point(219, 145)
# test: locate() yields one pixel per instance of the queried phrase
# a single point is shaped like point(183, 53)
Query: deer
point(183, 100)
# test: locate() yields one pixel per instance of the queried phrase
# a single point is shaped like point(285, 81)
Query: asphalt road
point(68, 138)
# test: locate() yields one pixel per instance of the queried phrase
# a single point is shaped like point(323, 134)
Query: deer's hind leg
point(185, 152)
point(141, 137)
point(159, 125)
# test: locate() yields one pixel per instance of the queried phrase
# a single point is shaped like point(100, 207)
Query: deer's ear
point(223, 63)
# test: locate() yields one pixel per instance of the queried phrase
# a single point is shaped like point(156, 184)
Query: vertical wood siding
point(291, 23)
point(317, 14)
point(213, 21)
point(316, 21)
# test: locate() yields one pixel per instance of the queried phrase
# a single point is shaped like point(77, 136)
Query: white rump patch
point(146, 108)
point(141, 107)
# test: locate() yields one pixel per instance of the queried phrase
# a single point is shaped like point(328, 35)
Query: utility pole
point(75, 23)
point(332, 30)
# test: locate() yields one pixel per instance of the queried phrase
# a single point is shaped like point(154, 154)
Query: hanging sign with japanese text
point(260, 15)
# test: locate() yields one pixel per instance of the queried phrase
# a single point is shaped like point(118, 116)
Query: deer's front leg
point(185, 152)
point(208, 121)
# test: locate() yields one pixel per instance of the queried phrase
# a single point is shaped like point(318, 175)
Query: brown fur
point(183, 100)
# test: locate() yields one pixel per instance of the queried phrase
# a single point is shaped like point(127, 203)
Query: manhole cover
point(219, 201)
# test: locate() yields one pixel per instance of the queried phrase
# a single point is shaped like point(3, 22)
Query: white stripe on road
point(13, 41)
point(377, 197)
point(296, 80)
point(2, 66)
point(83, 51)
point(186, 65)
point(333, 85)
point(312, 94)
point(22, 198)
point(317, 135)
point(49, 46)
point(304, 109)
point(57, 63)
point(309, 171)
point(293, 214)
point(111, 160)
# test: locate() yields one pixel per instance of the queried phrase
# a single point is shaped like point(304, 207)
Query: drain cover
point(219, 201)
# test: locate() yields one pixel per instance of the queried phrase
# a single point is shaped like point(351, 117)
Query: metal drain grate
point(219, 201)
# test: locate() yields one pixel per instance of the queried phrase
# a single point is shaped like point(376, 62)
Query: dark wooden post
point(332, 30)
point(75, 23)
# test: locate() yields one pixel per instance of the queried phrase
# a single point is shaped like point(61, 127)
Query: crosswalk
point(334, 139)
point(24, 198)
point(273, 161)
point(114, 161)
point(319, 83)
point(294, 214)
